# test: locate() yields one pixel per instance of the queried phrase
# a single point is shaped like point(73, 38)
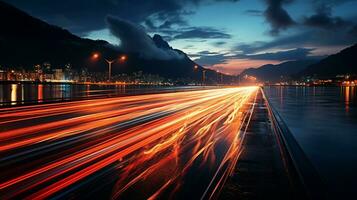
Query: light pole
point(195, 70)
point(203, 76)
point(122, 58)
point(110, 62)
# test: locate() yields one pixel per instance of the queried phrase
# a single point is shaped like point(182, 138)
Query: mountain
point(26, 41)
point(160, 42)
point(279, 72)
point(343, 62)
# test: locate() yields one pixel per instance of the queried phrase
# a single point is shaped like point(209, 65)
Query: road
point(173, 145)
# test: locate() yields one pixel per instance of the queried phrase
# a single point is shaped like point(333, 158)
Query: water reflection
point(353, 93)
point(324, 122)
point(22, 93)
point(13, 94)
point(2, 93)
point(87, 90)
point(40, 93)
point(347, 98)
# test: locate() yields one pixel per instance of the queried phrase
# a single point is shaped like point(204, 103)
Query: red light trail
point(173, 145)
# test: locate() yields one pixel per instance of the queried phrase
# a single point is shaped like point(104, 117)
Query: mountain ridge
point(279, 72)
point(26, 41)
point(340, 63)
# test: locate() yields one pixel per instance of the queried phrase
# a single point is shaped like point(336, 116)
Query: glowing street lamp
point(195, 68)
point(122, 58)
point(95, 56)
point(203, 73)
point(219, 75)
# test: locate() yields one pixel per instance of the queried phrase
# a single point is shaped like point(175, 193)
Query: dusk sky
point(228, 35)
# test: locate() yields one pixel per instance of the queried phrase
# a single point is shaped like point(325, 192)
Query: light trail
point(173, 145)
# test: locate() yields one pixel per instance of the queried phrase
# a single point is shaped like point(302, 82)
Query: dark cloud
point(318, 30)
point(194, 33)
point(254, 12)
point(294, 54)
point(353, 31)
point(81, 16)
point(134, 39)
point(166, 20)
point(324, 19)
point(202, 33)
point(330, 2)
point(318, 38)
point(87, 15)
point(277, 16)
point(190, 46)
point(207, 58)
point(150, 25)
point(250, 48)
point(169, 23)
point(219, 43)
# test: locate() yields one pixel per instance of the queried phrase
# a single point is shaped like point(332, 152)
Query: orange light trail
point(154, 144)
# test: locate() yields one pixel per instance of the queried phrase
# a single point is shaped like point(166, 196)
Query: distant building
point(3, 75)
point(49, 76)
point(58, 74)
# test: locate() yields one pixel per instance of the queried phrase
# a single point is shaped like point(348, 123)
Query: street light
point(203, 73)
point(110, 62)
point(122, 58)
point(195, 67)
point(95, 56)
point(219, 75)
point(203, 76)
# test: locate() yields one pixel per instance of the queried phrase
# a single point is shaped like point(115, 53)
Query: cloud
point(330, 2)
point(254, 12)
point(277, 16)
point(134, 39)
point(166, 20)
point(207, 58)
point(82, 16)
point(353, 31)
point(192, 32)
point(219, 43)
point(294, 54)
point(201, 33)
point(317, 38)
point(323, 19)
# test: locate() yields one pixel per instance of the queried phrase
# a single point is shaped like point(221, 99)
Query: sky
point(225, 35)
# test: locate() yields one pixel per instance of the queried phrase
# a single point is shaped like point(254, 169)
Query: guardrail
point(305, 179)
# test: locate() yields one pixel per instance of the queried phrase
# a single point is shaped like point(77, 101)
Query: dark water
point(16, 94)
point(324, 122)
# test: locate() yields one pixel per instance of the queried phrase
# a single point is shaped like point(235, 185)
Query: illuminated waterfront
point(17, 94)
